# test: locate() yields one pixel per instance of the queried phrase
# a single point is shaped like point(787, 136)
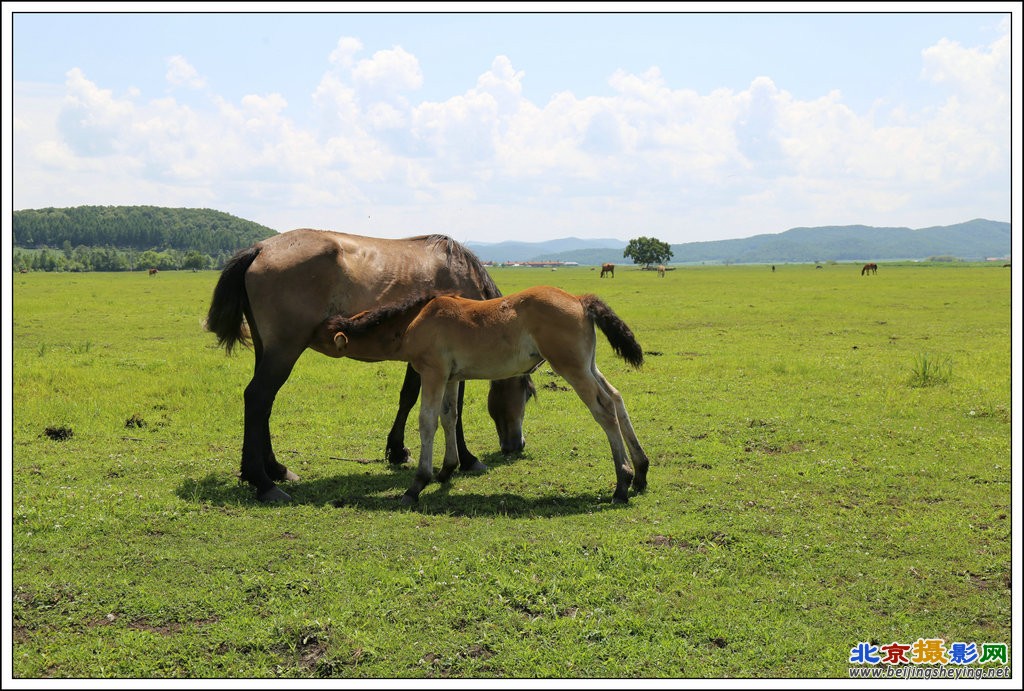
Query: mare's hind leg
point(275, 471)
point(258, 460)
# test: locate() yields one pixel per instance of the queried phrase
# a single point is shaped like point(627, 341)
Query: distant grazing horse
point(153, 272)
point(607, 269)
point(279, 290)
point(661, 270)
point(448, 339)
point(869, 269)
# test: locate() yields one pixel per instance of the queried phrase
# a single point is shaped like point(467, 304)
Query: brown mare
point(279, 290)
point(871, 268)
point(449, 339)
point(607, 269)
point(154, 272)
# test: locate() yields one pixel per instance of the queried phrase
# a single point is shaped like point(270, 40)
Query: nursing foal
point(448, 339)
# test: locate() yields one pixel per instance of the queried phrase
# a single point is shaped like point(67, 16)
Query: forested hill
point(209, 232)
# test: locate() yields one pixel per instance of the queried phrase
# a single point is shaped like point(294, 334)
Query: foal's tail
point(230, 301)
point(619, 335)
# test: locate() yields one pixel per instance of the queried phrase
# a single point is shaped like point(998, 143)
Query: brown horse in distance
point(871, 268)
point(448, 339)
point(607, 269)
point(279, 290)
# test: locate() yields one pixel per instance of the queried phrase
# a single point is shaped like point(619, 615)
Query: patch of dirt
point(59, 433)
point(134, 422)
point(666, 541)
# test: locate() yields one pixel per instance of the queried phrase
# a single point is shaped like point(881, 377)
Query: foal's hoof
point(289, 476)
point(274, 495)
point(476, 467)
point(409, 500)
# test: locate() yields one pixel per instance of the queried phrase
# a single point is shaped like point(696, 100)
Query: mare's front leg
point(449, 418)
point(431, 398)
point(467, 461)
point(396, 452)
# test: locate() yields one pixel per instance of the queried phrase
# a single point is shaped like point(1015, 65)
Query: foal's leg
point(396, 452)
point(602, 407)
point(449, 416)
point(636, 452)
point(431, 398)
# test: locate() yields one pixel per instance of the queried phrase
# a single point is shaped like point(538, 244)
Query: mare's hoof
point(397, 457)
point(476, 467)
point(274, 495)
point(289, 476)
point(620, 500)
point(409, 500)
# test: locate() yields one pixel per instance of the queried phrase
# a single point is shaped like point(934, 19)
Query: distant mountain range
point(216, 235)
point(973, 240)
point(582, 251)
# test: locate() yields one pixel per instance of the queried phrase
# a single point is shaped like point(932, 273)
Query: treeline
point(125, 238)
point(83, 258)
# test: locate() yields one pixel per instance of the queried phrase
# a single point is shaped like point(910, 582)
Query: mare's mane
point(457, 252)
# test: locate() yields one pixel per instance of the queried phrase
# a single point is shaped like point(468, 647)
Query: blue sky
point(520, 125)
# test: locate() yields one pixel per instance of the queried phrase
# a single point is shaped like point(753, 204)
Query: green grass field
point(830, 465)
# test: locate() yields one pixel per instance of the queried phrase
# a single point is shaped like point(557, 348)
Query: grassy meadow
point(830, 464)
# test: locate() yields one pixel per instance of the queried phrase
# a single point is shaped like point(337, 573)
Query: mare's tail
point(619, 335)
point(230, 301)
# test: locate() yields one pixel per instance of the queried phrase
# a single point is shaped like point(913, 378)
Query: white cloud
point(389, 73)
point(344, 53)
point(675, 162)
point(181, 73)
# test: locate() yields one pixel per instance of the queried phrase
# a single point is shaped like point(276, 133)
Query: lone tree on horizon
point(648, 251)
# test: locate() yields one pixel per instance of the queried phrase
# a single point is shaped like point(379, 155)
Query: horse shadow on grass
point(367, 490)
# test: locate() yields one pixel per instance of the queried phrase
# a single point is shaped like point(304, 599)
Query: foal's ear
point(341, 341)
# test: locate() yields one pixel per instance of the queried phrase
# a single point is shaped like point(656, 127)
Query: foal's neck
point(378, 334)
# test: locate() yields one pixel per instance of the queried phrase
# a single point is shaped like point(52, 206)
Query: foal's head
point(342, 331)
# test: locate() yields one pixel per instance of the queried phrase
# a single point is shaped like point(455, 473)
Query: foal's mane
point(367, 321)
